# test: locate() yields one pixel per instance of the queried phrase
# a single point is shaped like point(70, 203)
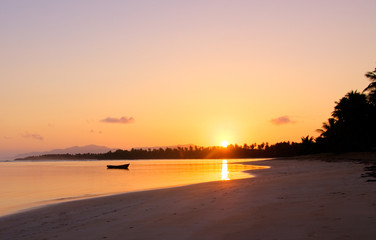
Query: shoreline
point(294, 199)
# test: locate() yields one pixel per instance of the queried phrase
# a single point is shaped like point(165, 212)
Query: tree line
point(351, 127)
point(193, 152)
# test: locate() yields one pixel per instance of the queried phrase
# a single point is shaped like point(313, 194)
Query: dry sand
point(291, 200)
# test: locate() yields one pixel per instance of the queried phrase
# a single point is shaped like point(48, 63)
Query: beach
point(293, 199)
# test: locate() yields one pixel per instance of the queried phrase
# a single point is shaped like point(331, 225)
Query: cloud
point(34, 136)
point(123, 120)
point(281, 120)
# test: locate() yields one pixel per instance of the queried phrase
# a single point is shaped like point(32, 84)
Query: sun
point(224, 143)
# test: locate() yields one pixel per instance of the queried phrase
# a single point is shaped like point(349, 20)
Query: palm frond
point(371, 86)
point(371, 75)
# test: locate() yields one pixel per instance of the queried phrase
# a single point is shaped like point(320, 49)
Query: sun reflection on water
point(225, 170)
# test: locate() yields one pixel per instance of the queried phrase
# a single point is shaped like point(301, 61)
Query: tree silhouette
point(351, 127)
point(328, 128)
point(307, 145)
point(371, 88)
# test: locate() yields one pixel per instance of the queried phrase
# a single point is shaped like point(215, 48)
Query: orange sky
point(186, 72)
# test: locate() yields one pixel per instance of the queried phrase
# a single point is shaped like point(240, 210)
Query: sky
point(146, 73)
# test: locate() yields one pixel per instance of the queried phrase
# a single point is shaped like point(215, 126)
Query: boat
point(124, 166)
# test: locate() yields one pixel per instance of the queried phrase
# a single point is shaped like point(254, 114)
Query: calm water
point(31, 184)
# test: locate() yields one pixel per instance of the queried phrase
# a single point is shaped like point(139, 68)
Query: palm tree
point(353, 107)
point(351, 126)
point(307, 145)
point(328, 135)
point(327, 128)
point(307, 140)
point(371, 88)
point(354, 126)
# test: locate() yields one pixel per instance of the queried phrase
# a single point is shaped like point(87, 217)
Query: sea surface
point(25, 185)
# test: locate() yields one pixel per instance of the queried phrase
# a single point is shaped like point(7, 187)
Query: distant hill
point(72, 150)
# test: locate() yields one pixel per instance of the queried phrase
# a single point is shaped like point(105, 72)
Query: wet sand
point(291, 200)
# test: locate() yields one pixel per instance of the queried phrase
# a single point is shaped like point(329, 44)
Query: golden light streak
point(225, 170)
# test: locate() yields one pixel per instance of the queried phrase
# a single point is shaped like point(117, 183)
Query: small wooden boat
point(124, 166)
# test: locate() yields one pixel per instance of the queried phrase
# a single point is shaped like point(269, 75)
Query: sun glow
point(224, 143)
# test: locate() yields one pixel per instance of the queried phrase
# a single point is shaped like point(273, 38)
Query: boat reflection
point(225, 170)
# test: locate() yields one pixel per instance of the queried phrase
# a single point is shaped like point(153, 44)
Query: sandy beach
point(294, 199)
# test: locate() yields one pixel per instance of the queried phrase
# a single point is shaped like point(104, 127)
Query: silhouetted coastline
point(283, 149)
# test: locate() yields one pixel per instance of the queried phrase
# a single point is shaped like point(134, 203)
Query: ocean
point(25, 185)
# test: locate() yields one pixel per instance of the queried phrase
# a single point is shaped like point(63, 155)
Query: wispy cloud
point(7, 138)
point(282, 120)
point(123, 120)
point(34, 136)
